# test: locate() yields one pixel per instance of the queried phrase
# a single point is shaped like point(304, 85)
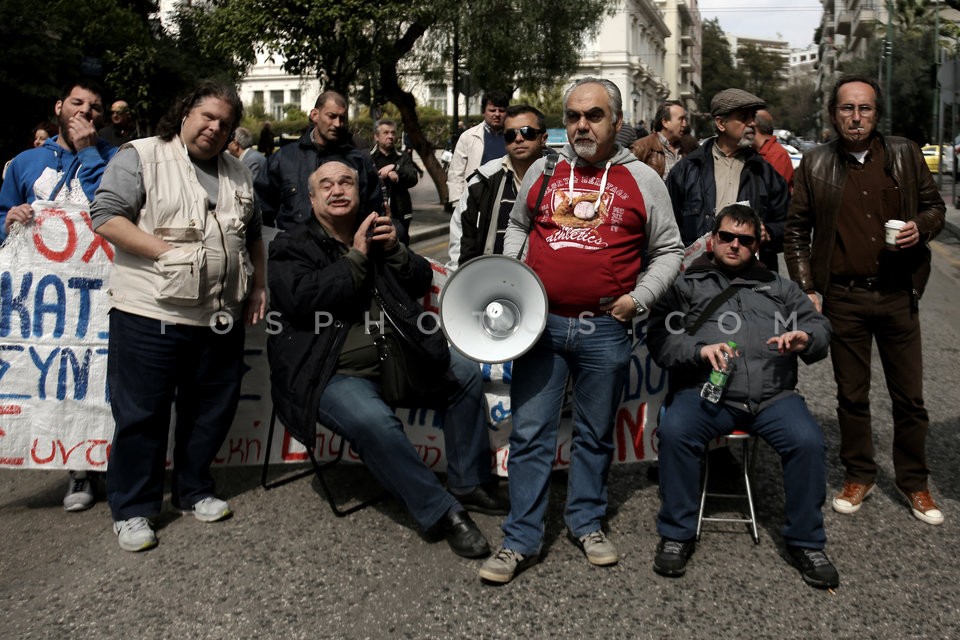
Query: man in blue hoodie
point(66, 168)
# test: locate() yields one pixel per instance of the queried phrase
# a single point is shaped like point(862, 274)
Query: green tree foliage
point(110, 41)
point(798, 109)
point(763, 72)
point(911, 86)
point(717, 71)
point(365, 48)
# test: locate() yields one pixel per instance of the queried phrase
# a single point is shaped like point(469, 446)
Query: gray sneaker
point(135, 534)
point(598, 549)
point(79, 492)
point(210, 510)
point(504, 564)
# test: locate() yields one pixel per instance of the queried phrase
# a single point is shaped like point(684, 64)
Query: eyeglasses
point(848, 109)
point(745, 241)
point(528, 133)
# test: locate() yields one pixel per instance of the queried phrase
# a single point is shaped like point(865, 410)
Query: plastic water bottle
point(713, 387)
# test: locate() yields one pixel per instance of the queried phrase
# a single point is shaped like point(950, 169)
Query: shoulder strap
point(548, 166)
point(714, 304)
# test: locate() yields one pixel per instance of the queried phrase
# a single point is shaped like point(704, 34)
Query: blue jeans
point(689, 423)
point(148, 365)
point(352, 407)
point(595, 352)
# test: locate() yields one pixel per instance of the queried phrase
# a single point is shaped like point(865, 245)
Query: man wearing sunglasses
point(844, 192)
point(772, 323)
point(478, 223)
point(726, 169)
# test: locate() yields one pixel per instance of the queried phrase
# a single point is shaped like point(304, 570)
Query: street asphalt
point(285, 567)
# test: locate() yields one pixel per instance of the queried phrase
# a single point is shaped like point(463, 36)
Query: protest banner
point(55, 401)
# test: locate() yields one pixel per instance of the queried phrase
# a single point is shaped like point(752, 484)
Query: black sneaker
point(815, 568)
point(672, 556)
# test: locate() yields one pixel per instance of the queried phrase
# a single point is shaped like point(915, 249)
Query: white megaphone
point(493, 309)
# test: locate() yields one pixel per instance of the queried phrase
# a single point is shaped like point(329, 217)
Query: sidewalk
point(429, 218)
point(952, 223)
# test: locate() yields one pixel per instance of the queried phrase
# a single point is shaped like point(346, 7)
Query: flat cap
point(730, 100)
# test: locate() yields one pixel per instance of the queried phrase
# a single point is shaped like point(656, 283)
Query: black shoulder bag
point(414, 356)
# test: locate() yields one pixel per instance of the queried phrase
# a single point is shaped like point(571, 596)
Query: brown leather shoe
point(923, 507)
point(853, 494)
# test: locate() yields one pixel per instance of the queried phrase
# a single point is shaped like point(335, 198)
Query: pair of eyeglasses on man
point(848, 109)
point(745, 241)
point(528, 133)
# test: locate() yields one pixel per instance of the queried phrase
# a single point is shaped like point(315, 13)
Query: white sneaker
point(79, 494)
point(598, 549)
point(135, 534)
point(210, 510)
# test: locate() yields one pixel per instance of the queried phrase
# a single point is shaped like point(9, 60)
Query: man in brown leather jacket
point(844, 193)
point(661, 149)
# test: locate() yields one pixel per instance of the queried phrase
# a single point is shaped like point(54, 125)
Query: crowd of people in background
point(604, 222)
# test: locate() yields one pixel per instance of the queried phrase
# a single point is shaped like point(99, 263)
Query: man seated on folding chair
point(329, 279)
point(772, 322)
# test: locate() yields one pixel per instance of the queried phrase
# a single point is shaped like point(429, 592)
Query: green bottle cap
point(732, 344)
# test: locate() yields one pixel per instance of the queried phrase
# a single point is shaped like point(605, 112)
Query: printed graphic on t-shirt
point(583, 214)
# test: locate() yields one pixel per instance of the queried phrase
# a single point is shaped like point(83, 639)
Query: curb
point(952, 229)
point(428, 233)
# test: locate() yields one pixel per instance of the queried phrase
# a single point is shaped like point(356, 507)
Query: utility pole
point(888, 51)
point(937, 135)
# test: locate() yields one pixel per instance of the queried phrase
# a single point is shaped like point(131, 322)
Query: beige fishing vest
point(208, 272)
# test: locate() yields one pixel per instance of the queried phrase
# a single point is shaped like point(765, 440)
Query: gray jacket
point(764, 305)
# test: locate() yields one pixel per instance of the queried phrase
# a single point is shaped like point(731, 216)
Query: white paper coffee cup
point(891, 229)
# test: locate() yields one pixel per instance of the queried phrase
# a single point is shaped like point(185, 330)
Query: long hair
point(170, 123)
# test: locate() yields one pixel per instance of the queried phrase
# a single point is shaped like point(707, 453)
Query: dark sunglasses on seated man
point(528, 133)
point(726, 237)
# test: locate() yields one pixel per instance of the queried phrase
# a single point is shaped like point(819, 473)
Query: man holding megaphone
point(597, 227)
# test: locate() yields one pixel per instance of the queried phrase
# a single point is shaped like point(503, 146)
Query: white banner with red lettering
point(55, 402)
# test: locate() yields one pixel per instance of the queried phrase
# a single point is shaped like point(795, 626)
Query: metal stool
point(748, 455)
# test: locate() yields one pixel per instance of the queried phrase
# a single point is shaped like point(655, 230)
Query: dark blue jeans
point(689, 423)
point(149, 366)
point(595, 352)
point(352, 407)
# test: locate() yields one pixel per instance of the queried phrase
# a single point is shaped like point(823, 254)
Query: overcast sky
point(790, 20)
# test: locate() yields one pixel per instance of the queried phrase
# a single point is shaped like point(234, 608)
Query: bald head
point(335, 195)
point(120, 113)
point(765, 122)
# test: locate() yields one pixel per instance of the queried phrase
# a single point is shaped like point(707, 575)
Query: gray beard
point(585, 148)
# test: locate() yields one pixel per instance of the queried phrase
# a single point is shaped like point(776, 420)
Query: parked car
point(795, 154)
point(932, 157)
point(556, 137)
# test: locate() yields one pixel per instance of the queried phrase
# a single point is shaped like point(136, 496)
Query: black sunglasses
point(528, 133)
point(745, 241)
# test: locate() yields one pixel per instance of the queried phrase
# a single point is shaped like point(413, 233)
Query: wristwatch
point(640, 309)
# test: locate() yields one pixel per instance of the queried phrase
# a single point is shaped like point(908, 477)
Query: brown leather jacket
point(818, 187)
point(649, 151)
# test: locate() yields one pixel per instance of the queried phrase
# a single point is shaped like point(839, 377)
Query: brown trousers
point(858, 317)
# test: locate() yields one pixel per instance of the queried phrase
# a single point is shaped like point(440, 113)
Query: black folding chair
point(318, 470)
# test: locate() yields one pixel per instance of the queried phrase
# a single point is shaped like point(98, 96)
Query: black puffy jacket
point(308, 275)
